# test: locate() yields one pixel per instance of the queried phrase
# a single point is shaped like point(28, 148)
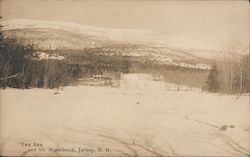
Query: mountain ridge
point(47, 35)
point(140, 36)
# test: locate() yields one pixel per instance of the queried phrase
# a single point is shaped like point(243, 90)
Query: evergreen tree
point(1, 34)
point(212, 84)
point(1, 50)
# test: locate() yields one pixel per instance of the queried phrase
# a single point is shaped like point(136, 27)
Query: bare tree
point(232, 71)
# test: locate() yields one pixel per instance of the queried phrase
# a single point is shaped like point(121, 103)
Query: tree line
point(12, 59)
point(230, 76)
point(18, 70)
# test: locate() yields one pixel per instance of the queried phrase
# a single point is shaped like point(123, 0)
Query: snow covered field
point(123, 121)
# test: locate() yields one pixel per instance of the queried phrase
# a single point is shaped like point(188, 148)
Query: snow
point(148, 82)
point(139, 36)
point(131, 121)
point(46, 56)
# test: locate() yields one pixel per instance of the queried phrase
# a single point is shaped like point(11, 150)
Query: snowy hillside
point(122, 35)
point(164, 49)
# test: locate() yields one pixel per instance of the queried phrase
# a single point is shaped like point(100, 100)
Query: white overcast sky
point(215, 23)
